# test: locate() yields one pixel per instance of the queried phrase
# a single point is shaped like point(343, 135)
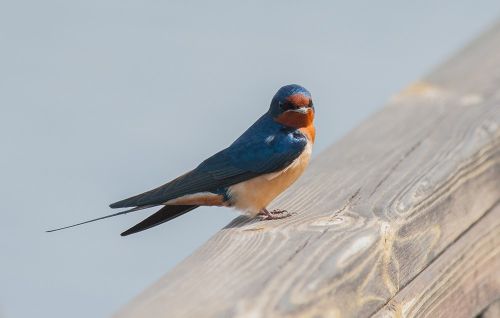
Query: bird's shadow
point(244, 220)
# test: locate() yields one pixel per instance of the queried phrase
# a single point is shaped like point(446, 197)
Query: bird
point(247, 175)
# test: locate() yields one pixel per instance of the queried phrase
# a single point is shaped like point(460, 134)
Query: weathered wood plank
point(373, 211)
point(492, 311)
point(461, 282)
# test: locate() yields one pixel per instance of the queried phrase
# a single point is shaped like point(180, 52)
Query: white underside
point(255, 194)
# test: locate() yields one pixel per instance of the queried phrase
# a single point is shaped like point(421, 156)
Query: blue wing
point(264, 148)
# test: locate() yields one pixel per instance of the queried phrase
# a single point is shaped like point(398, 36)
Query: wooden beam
point(492, 311)
point(461, 282)
point(373, 213)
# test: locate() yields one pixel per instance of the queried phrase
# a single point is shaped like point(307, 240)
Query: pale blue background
point(103, 99)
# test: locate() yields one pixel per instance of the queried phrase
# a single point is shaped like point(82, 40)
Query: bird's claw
point(274, 214)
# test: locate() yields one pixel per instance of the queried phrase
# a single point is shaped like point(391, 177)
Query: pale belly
point(255, 194)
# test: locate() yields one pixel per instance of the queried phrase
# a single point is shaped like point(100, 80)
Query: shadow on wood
point(399, 218)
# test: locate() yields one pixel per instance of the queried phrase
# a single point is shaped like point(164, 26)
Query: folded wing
point(241, 161)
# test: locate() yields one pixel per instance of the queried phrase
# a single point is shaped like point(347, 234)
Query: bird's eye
point(286, 105)
point(310, 103)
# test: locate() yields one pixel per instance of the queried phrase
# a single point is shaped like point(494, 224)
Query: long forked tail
point(103, 217)
point(167, 213)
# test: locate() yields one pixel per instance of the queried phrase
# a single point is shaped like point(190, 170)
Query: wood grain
point(372, 212)
point(492, 311)
point(461, 282)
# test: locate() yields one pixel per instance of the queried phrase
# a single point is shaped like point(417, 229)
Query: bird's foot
point(274, 214)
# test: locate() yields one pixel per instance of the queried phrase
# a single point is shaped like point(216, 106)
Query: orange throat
point(303, 122)
point(309, 131)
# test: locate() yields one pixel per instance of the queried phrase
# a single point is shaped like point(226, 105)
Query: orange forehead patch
point(299, 100)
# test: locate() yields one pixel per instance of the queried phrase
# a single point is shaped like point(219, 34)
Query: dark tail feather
point(163, 215)
point(103, 217)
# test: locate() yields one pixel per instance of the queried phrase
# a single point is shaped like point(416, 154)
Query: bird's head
point(292, 106)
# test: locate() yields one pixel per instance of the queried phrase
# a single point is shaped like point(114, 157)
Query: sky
point(103, 99)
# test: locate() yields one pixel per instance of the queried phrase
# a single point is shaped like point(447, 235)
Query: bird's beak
point(301, 110)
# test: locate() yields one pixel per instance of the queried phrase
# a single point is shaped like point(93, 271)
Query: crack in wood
point(394, 167)
point(437, 256)
point(347, 204)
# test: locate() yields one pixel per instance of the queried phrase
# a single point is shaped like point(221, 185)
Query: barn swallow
point(264, 161)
